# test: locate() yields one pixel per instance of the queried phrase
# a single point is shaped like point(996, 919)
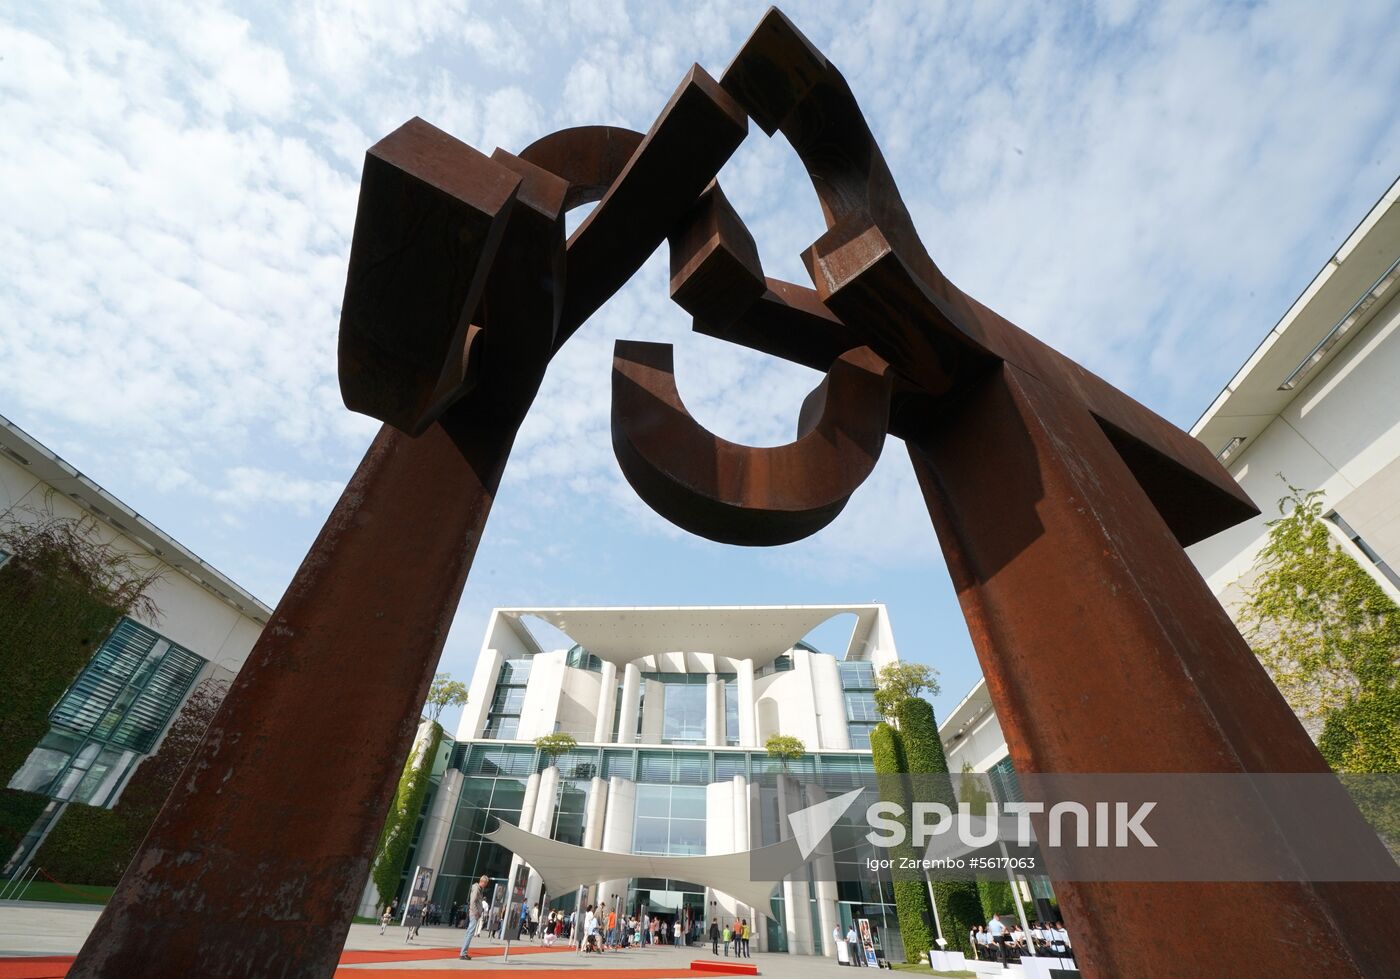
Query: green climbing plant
point(1329, 636)
point(62, 590)
point(959, 907)
point(397, 836)
point(911, 903)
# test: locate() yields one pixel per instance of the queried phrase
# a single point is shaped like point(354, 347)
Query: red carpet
point(56, 966)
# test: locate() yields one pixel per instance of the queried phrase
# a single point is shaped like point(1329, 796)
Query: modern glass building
point(670, 708)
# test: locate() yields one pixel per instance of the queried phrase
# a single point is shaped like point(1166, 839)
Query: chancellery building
point(670, 708)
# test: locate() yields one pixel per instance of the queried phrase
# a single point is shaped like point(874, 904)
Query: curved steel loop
point(740, 494)
point(590, 158)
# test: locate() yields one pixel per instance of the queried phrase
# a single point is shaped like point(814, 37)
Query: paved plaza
point(38, 941)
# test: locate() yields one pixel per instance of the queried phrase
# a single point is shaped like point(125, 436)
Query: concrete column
point(527, 817)
point(653, 711)
point(542, 823)
point(607, 696)
point(714, 711)
point(594, 812)
point(796, 894)
point(831, 703)
point(748, 734)
point(618, 825)
point(739, 838)
point(824, 876)
point(631, 697)
point(480, 694)
point(432, 845)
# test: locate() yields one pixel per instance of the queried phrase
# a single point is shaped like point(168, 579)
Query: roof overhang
point(1257, 394)
point(759, 633)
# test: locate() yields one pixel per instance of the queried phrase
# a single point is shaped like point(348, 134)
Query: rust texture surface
point(1062, 507)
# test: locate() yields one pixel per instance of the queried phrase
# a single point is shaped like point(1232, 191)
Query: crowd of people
point(996, 942)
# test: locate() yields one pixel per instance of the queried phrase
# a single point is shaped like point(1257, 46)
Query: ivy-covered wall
point(50, 625)
point(910, 896)
point(91, 845)
point(959, 907)
point(397, 836)
point(1329, 636)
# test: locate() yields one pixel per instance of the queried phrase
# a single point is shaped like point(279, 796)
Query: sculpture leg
point(1104, 651)
point(257, 861)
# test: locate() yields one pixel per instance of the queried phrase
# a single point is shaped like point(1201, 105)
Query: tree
point(402, 818)
point(445, 692)
point(897, 682)
point(785, 749)
point(1328, 635)
point(555, 744)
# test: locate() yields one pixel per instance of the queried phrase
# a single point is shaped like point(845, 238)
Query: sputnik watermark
point(1111, 825)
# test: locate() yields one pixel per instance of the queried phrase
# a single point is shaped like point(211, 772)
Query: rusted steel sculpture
point(1061, 505)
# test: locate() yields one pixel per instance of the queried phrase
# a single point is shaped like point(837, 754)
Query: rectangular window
point(503, 717)
point(856, 675)
point(683, 713)
point(731, 713)
point(1371, 554)
point(670, 820)
point(860, 706)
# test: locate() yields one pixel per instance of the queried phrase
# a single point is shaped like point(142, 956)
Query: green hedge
point(959, 908)
point(910, 896)
point(18, 810)
point(397, 836)
point(49, 628)
point(91, 845)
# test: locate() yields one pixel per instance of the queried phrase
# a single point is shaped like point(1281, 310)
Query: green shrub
point(910, 895)
point(959, 909)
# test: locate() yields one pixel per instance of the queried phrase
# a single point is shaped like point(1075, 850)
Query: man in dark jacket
point(714, 935)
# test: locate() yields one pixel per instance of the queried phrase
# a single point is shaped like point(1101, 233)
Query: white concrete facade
point(200, 609)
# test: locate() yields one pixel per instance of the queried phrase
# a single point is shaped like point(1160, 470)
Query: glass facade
point(110, 717)
point(669, 819)
point(858, 683)
point(503, 719)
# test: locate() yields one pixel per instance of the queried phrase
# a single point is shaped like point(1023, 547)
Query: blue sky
point(1146, 187)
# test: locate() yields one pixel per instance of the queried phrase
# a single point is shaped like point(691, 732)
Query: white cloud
point(1145, 187)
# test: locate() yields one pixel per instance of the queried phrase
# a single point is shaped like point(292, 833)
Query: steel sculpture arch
point(1060, 503)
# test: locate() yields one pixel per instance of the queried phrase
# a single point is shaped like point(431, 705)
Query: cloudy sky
point(1145, 187)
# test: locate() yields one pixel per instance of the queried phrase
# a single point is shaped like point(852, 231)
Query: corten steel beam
point(1105, 651)
point(256, 863)
point(258, 859)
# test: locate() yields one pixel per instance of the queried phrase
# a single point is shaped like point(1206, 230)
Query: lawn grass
point(922, 969)
point(42, 890)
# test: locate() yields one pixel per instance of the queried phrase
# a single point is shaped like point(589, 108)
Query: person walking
point(676, 932)
point(714, 936)
point(744, 926)
point(853, 945)
point(385, 918)
point(474, 902)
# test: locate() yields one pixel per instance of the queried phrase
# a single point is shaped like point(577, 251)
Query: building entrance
point(667, 901)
